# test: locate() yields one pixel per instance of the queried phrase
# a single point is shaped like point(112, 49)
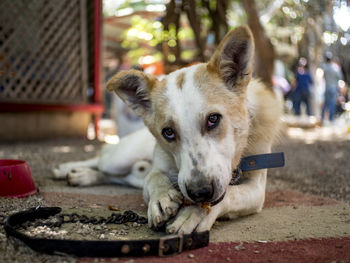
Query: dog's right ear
point(133, 87)
point(233, 58)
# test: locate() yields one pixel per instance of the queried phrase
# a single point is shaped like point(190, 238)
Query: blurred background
point(56, 56)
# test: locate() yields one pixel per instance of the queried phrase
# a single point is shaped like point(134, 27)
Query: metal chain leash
point(236, 176)
point(114, 218)
point(2, 219)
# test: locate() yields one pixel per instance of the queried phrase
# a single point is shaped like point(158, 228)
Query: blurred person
point(302, 92)
point(342, 98)
point(281, 84)
point(318, 92)
point(332, 75)
point(280, 78)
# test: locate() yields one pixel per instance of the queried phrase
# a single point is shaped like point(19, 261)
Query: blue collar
point(257, 162)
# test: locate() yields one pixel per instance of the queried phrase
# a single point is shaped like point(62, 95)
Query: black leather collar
point(165, 246)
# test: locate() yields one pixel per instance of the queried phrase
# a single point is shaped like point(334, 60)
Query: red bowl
point(16, 179)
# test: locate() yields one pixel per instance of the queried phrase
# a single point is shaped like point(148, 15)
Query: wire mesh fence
point(43, 51)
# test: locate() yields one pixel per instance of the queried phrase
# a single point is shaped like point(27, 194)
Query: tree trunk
point(189, 7)
point(218, 17)
point(264, 50)
point(311, 45)
point(172, 16)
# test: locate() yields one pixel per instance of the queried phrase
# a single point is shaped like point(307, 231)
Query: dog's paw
point(83, 177)
point(59, 174)
point(189, 219)
point(62, 170)
point(162, 206)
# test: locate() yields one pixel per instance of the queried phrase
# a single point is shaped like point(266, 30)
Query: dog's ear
point(133, 87)
point(233, 58)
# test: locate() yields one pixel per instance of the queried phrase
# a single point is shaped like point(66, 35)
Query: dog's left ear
point(233, 58)
point(133, 87)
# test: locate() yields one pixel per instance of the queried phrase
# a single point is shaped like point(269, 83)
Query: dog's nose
point(200, 194)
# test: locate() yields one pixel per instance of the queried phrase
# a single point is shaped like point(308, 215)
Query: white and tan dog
point(202, 120)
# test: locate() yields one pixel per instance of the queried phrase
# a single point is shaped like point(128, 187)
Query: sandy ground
point(318, 166)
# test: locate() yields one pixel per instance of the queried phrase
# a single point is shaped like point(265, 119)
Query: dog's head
point(198, 114)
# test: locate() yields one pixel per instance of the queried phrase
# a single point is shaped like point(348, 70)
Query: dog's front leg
point(247, 198)
point(194, 218)
point(162, 197)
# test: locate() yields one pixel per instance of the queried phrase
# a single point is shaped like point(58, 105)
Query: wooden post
point(97, 59)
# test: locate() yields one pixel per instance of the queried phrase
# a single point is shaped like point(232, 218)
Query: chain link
point(114, 218)
point(2, 219)
point(236, 176)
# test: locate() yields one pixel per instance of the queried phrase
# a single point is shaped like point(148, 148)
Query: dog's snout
point(200, 193)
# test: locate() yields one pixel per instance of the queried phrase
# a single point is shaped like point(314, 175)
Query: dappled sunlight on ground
point(61, 149)
point(107, 132)
point(111, 139)
point(309, 130)
point(312, 135)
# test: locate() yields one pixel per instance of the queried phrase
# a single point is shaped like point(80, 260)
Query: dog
point(201, 121)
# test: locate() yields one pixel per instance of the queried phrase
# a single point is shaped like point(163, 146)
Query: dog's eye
point(168, 134)
point(213, 120)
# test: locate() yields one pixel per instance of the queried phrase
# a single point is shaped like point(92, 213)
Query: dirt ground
point(319, 167)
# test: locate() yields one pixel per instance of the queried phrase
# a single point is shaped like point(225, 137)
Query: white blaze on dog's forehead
point(186, 102)
point(202, 154)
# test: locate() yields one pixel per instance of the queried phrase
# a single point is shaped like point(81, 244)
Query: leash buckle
point(164, 246)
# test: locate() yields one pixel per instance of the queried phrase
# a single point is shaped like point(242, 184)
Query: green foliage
point(141, 37)
point(187, 55)
point(284, 24)
point(236, 15)
point(144, 37)
point(111, 7)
